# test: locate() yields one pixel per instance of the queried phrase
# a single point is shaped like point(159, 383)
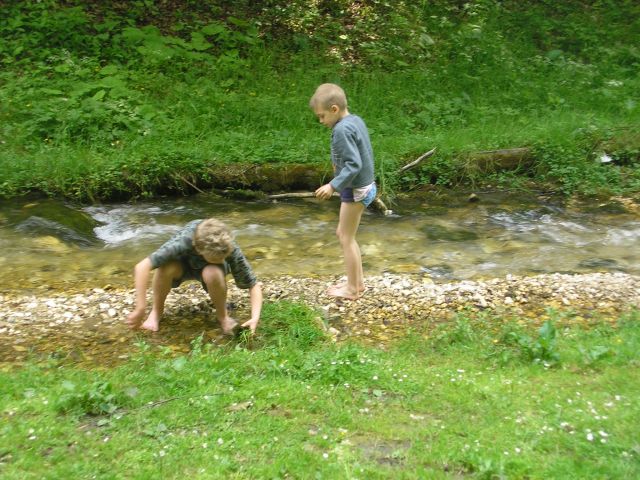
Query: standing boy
point(352, 158)
point(203, 250)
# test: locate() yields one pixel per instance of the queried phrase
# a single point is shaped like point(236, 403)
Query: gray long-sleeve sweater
point(352, 154)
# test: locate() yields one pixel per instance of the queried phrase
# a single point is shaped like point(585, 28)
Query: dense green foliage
point(105, 99)
point(481, 397)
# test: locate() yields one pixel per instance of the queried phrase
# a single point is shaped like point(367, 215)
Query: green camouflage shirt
point(180, 247)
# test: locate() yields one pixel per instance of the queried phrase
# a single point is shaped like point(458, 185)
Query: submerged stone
point(50, 229)
point(437, 232)
point(606, 263)
point(52, 218)
point(438, 271)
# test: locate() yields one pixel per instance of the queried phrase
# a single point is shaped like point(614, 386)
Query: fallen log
point(277, 196)
point(378, 204)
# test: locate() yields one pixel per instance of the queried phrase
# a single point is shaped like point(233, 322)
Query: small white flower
point(325, 455)
point(220, 441)
point(162, 453)
point(590, 436)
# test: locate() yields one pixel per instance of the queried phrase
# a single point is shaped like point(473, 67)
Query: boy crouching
point(203, 250)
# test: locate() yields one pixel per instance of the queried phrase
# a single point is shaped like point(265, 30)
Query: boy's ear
point(334, 108)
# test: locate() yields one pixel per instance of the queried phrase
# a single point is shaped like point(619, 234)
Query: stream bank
point(86, 326)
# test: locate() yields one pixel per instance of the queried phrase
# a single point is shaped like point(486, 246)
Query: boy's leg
point(162, 281)
point(350, 215)
point(213, 278)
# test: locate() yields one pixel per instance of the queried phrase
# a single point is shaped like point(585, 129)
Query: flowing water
point(46, 244)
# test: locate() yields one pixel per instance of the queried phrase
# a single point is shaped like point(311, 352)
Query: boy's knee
point(213, 275)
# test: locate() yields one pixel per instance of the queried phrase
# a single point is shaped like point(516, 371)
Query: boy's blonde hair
point(329, 94)
point(213, 238)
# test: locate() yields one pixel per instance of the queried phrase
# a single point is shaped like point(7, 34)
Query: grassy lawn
point(479, 398)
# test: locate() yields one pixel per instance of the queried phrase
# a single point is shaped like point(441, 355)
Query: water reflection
point(444, 238)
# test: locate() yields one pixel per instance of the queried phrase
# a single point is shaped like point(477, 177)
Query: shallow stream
point(47, 244)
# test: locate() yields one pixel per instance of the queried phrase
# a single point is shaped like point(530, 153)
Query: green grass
point(469, 399)
point(97, 117)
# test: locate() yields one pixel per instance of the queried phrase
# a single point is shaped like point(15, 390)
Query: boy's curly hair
point(213, 238)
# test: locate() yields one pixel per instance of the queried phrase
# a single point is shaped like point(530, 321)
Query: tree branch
point(417, 160)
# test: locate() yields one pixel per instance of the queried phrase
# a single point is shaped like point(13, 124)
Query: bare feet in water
point(152, 323)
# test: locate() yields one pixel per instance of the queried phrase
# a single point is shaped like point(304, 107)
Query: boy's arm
point(255, 298)
point(344, 146)
point(245, 278)
point(141, 274)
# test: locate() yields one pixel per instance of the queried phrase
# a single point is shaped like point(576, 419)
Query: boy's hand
point(251, 324)
point(134, 319)
point(325, 192)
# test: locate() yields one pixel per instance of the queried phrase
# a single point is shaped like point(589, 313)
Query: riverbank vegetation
point(480, 396)
point(105, 100)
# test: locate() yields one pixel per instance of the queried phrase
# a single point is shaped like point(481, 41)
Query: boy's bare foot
point(152, 323)
point(361, 288)
point(134, 319)
point(342, 292)
point(228, 326)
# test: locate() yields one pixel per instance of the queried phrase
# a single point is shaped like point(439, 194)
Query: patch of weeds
point(198, 346)
point(483, 467)
point(592, 355)
point(461, 333)
point(144, 351)
point(98, 398)
point(541, 349)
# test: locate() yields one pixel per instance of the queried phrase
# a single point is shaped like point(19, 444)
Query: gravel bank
point(90, 322)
